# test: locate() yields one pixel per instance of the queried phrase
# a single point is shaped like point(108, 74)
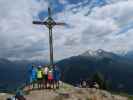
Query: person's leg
point(28, 87)
point(50, 83)
point(33, 85)
point(30, 84)
point(53, 82)
point(41, 83)
point(44, 84)
point(38, 83)
point(58, 84)
point(45, 81)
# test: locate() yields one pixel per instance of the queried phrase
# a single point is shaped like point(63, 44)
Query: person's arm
point(59, 72)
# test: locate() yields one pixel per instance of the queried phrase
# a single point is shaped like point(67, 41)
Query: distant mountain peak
point(89, 53)
point(93, 52)
point(100, 53)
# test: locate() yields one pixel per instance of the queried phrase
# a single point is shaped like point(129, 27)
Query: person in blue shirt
point(56, 76)
point(33, 77)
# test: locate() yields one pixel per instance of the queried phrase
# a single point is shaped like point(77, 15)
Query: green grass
point(87, 98)
point(130, 97)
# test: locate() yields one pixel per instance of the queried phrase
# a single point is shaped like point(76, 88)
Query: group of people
point(40, 77)
point(89, 84)
point(44, 77)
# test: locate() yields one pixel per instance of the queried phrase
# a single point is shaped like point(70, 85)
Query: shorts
point(32, 80)
point(39, 80)
point(46, 77)
point(56, 78)
point(50, 79)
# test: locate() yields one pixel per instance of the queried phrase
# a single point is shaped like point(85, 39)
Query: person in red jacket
point(50, 78)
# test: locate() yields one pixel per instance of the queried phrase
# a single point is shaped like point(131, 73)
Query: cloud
point(108, 27)
point(121, 12)
point(16, 30)
point(100, 29)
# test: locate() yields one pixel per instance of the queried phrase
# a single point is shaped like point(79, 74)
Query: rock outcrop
point(67, 92)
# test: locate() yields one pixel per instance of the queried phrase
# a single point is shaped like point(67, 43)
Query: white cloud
point(99, 28)
point(17, 32)
point(121, 12)
point(20, 39)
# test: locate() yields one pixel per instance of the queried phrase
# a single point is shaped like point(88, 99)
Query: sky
point(91, 24)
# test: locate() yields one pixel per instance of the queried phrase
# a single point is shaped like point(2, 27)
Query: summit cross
point(50, 23)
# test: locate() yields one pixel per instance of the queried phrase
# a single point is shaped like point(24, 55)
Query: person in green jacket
point(39, 77)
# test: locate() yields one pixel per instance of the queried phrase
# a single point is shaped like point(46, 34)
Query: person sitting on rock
point(11, 98)
point(96, 85)
point(19, 95)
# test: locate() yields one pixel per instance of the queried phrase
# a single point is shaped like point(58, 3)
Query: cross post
point(49, 23)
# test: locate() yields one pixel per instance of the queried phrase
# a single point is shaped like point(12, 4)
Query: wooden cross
point(50, 23)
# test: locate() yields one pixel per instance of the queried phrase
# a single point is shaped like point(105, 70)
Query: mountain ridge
point(114, 68)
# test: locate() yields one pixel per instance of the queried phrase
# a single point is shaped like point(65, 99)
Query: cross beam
point(50, 23)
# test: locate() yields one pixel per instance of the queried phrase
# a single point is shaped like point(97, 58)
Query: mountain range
point(116, 69)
